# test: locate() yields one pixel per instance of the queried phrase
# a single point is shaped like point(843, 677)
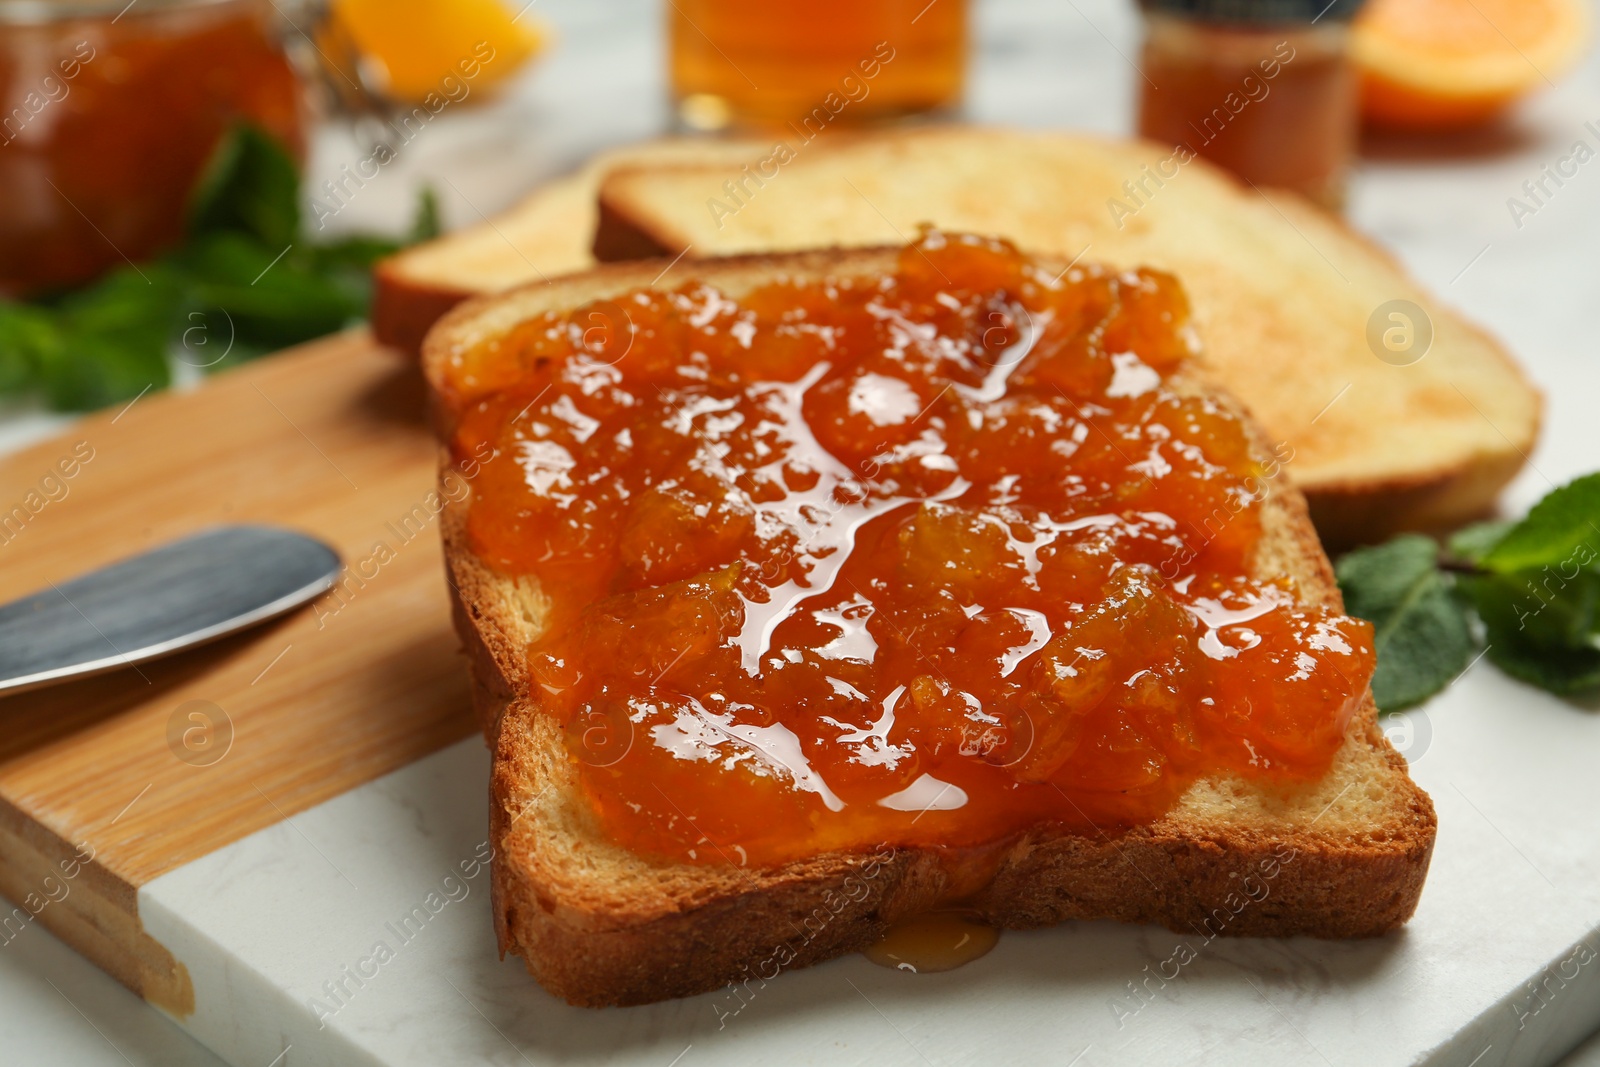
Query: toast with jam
point(806, 593)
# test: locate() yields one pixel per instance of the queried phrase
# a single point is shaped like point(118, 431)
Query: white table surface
point(1039, 64)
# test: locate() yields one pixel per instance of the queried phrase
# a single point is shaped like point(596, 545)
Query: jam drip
point(922, 559)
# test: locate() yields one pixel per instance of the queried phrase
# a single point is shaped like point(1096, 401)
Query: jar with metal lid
point(109, 112)
point(1264, 88)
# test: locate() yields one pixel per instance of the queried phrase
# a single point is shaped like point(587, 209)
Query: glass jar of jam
point(108, 113)
point(814, 65)
point(1264, 88)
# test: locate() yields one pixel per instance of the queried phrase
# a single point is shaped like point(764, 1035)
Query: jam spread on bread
point(923, 558)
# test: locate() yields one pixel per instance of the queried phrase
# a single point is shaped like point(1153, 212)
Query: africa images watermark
point(53, 88)
point(52, 889)
point(454, 487)
point(852, 89)
point(338, 992)
point(1252, 89)
point(53, 487)
point(1254, 490)
point(1254, 888)
point(854, 889)
point(1544, 989)
point(1578, 560)
point(340, 191)
point(199, 733)
point(1537, 192)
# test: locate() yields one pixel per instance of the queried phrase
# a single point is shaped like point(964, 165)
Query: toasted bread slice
point(1284, 295)
point(548, 234)
point(599, 925)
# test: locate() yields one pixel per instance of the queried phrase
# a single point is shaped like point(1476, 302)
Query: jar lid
point(1258, 11)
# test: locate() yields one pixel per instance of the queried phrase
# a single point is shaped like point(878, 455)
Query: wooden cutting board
point(109, 782)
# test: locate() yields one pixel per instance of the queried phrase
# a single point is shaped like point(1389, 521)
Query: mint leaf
point(1539, 591)
point(1563, 671)
point(1538, 608)
point(1422, 636)
point(1472, 543)
point(357, 253)
point(1563, 529)
point(92, 347)
point(102, 344)
point(272, 298)
point(1541, 626)
point(251, 186)
point(426, 225)
point(28, 336)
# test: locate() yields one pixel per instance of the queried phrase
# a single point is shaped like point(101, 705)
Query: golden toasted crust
point(1284, 293)
point(546, 235)
point(405, 307)
point(598, 925)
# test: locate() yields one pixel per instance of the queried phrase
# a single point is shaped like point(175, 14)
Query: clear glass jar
point(779, 63)
point(1248, 85)
point(108, 114)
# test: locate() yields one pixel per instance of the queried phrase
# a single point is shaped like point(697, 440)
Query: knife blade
point(182, 594)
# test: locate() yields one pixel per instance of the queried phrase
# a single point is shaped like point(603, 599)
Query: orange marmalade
point(924, 558)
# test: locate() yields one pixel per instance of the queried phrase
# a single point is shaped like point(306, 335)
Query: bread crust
point(546, 235)
point(404, 308)
point(1354, 511)
point(622, 233)
point(1342, 857)
point(619, 237)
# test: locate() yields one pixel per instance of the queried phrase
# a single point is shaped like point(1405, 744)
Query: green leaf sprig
point(246, 280)
point(1525, 594)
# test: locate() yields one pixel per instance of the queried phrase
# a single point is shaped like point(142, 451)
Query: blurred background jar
point(108, 114)
point(1264, 88)
point(748, 64)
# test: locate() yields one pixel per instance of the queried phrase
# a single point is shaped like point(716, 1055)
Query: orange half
point(1443, 64)
point(443, 47)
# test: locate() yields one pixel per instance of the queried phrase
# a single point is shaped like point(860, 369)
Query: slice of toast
point(1286, 298)
point(549, 233)
point(600, 925)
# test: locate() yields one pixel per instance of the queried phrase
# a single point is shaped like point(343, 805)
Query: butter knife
point(182, 594)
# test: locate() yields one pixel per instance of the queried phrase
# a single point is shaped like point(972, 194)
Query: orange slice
point(439, 46)
point(1443, 64)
